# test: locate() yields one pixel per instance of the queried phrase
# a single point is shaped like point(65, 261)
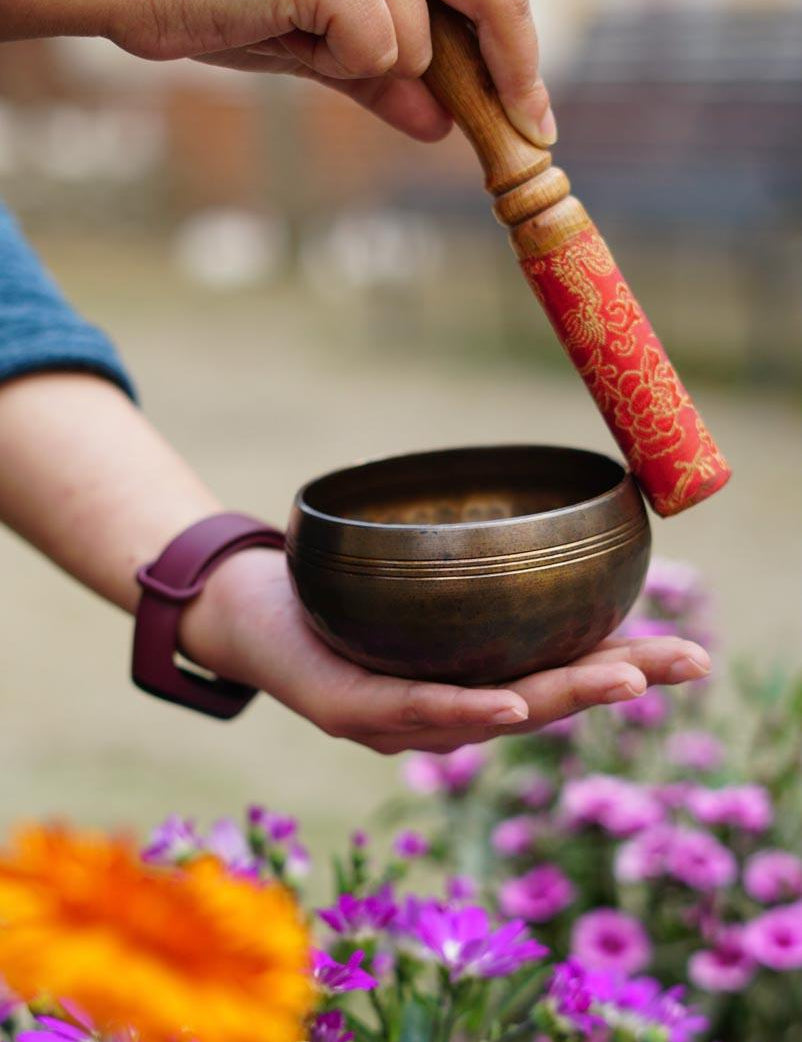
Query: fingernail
point(687, 668)
point(548, 128)
point(541, 132)
point(509, 715)
point(622, 693)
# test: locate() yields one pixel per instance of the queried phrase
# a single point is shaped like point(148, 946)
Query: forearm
point(29, 19)
point(87, 480)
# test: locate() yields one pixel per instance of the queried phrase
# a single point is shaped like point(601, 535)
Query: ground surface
point(261, 392)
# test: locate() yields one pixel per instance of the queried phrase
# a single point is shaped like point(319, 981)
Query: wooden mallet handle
point(572, 272)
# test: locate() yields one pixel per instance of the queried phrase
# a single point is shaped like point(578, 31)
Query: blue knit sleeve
point(39, 330)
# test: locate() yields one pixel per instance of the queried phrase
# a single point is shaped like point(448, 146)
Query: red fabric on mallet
point(168, 584)
point(612, 344)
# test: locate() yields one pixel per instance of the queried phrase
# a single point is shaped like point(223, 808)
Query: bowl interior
point(459, 486)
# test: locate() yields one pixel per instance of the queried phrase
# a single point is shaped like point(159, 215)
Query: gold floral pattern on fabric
point(616, 351)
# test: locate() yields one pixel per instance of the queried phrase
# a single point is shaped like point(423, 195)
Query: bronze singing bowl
point(474, 565)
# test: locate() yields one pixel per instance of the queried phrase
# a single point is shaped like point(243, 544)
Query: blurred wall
point(681, 127)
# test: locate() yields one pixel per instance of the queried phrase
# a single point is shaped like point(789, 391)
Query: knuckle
point(415, 709)
point(576, 694)
point(458, 708)
point(519, 81)
point(332, 726)
point(519, 10)
point(377, 64)
point(436, 705)
point(414, 64)
point(382, 746)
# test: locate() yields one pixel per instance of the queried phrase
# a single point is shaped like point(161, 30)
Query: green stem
point(523, 1030)
point(448, 1020)
point(378, 1009)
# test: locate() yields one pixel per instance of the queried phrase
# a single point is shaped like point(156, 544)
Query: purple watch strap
point(168, 584)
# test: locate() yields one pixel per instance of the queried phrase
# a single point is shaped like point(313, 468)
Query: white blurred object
point(365, 250)
point(230, 249)
point(70, 143)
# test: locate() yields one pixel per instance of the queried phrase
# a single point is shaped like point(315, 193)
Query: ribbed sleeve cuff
point(69, 349)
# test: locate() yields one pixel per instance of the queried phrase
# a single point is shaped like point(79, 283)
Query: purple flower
point(461, 888)
point(383, 964)
point(642, 1002)
point(429, 773)
point(592, 999)
point(537, 896)
point(570, 995)
point(645, 856)
point(226, 841)
point(357, 918)
point(276, 828)
point(636, 627)
point(775, 938)
point(728, 966)
point(673, 795)
point(675, 588)
point(79, 1028)
point(563, 729)
point(695, 750)
point(607, 939)
point(297, 863)
point(536, 790)
point(747, 807)
point(515, 836)
point(173, 841)
point(359, 839)
point(693, 857)
point(650, 710)
point(773, 875)
point(330, 1027)
point(409, 845)
point(337, 977)
point(698, 860)
point(464, 941)
point(8, 1001)
point(618, 806)
point(56, 1030)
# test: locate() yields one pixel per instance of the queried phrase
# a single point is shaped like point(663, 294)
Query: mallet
point(572, 273)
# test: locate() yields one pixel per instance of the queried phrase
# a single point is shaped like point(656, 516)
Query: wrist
point(213, 628)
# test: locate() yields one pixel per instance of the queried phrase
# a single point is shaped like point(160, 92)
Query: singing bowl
point(473, 566)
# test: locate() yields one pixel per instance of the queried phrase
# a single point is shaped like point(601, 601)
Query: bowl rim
point(300, 504)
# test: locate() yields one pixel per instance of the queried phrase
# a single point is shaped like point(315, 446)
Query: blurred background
point(295, 286)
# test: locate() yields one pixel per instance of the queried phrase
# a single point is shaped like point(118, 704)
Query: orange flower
point(191, 951)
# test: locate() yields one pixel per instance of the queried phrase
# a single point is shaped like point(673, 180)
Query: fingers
point(550, 696)
point(411, 21)
point(556, 693)
point(619, 670)
point(402, 714)
point(392, 715)
point(509, 44)
point(377, 705)
point(363, 39)
point(406, 105)
point(357, 39)
point(663, 660)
